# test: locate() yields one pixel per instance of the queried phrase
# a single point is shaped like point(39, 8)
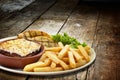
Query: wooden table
point(98, 26)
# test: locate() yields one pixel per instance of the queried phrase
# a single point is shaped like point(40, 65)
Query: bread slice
point(33, 33)
point(19, 48)
point(39, 36)
point(47, 42)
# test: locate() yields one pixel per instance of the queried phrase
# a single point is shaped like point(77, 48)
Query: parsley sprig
point(66, 39)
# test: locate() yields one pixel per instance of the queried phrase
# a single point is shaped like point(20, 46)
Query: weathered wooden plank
point(18, 22)
point(22, 19)
point(118, 69)
point(10, 76)
point(106, 44)
point(50, 26)
point(55, 17)
point(61, 10)
point(2, 13)
point(8, 7)
point(82, 75)
point(55, 77)
point(82, 25)
point(51, 22)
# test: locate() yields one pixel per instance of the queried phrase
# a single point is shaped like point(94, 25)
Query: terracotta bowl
point(19, 62)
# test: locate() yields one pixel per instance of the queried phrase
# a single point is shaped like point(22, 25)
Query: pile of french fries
point(60, 58)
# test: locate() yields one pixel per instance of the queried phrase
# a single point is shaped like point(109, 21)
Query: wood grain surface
point(106, 44)
point(19, 21)
point(98, 26)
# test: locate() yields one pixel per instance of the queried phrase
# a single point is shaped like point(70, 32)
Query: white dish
point(19, 71)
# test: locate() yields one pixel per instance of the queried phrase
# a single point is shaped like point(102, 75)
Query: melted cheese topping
point(21, 47)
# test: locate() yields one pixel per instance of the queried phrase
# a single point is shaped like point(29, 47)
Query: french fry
point(87, 48)
point(30, 67)
point(42, 58)
point(47, 69)
point(77, 50)
point(53, 65)
point(71, 60)
point(55, 49)
point(60, 44)
point(53, 57)
point(42, 69)
point(63, 51)
point(60, 58)
point(57, 69)
point(65, 59)
point(78, 64)
point(47, 61)
point(76, 55)
point(84, 53)
point(64, 65)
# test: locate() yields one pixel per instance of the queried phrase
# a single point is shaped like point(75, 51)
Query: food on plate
point(33, 33)
point(76, 55)
point(60, 44)
point(18, 52)
point(84, 53)
point(19, 48)
point(39, 36)
point(59, 60)
point(47, 69)
point(37, 51)
point(63, 52)
point(48, 42)
point(66, 39)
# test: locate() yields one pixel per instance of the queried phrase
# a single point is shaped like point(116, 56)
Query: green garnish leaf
point(84, 44)
point(66, 39)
